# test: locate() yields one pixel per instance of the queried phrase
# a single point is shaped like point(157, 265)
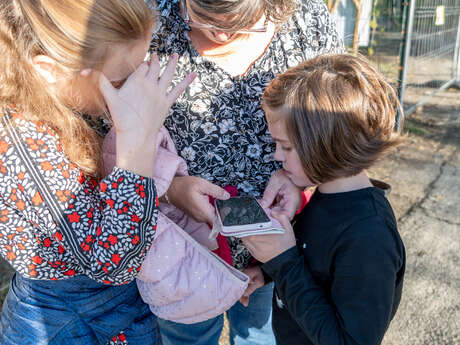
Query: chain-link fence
point(376, 33)
point(431, 57)
point(415, 43)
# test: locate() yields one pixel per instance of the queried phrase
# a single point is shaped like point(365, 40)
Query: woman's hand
point(281, 195)
point(266, 247)
point(138, 110)
point(191, 195)
point(256, 280)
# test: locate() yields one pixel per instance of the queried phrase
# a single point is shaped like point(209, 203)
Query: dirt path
point(425, 174)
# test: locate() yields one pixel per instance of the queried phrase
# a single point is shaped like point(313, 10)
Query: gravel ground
point(425, 174)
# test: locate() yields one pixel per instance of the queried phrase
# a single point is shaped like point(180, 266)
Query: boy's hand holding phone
point(266, 247)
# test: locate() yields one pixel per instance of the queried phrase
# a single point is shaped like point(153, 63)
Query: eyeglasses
point(204, 26)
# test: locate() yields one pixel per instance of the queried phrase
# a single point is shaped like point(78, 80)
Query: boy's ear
point(46, 67)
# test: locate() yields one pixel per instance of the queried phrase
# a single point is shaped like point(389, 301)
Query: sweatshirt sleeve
point(359, 305)
point(113, 224)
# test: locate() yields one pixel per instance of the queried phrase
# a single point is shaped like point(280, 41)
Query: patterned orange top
point(111, 224)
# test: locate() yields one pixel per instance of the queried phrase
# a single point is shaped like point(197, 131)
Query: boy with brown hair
point(339, 272)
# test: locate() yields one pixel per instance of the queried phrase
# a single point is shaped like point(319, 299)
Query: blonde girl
point(76, 238)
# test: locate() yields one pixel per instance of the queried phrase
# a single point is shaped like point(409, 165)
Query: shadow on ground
point(425, 175)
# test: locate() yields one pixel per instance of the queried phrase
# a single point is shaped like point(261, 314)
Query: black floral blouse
point(217, 124)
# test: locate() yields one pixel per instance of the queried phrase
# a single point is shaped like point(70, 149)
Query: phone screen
point(241, 211)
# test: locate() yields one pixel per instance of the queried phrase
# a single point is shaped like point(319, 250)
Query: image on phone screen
point(241, 211)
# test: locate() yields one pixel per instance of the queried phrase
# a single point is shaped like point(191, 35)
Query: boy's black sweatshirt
point(343, 282)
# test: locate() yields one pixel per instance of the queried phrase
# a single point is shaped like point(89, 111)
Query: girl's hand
point(191, 195)
point(138, 110)
point(140, 106)
point(266, 247)
point(256, 281)
point(281, 195)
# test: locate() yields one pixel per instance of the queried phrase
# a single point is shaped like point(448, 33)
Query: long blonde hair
point(77, 35)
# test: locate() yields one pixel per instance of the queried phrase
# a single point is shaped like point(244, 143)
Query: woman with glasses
point(236, 47)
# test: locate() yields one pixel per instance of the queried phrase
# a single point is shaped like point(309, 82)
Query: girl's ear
point(46, 67)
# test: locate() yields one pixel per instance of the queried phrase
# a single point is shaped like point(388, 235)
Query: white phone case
point(275, 228)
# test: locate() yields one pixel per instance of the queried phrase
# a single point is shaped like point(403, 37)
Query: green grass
point(416, 130)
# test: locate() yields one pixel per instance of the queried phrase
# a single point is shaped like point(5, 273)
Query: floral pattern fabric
point(113, 221)
point(217, 124)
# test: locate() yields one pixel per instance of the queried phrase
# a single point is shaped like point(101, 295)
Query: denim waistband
point(74, 311)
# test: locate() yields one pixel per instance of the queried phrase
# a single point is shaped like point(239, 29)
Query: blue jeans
point(76, 311)
point(248, 326)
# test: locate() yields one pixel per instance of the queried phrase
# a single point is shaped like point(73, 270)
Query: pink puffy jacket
point(180, 279)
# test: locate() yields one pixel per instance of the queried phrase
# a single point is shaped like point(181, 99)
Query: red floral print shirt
point(112, 222)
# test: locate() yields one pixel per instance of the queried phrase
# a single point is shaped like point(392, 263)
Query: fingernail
point(226, 195)
point(86, 72)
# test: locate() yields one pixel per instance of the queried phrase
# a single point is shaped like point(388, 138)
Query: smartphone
point(241, 213)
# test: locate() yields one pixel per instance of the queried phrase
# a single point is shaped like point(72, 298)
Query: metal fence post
point(456, 67)
point(408, 20)
point(404, 54)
